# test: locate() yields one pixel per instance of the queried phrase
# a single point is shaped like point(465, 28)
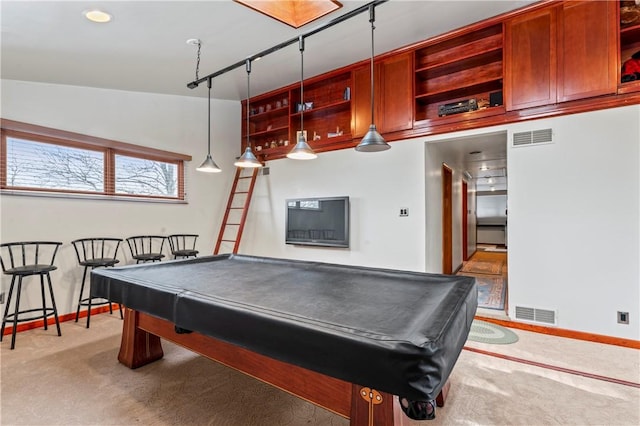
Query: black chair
point(146, 248)
point(183, 245)
point(93, 253)
point(23, 259)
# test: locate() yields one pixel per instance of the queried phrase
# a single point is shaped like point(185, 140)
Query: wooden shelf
point(271, 113)
point(326, 109)
point(269, 132)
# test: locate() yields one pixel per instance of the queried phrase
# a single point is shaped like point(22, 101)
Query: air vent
point(533, 137)
point(544, 316)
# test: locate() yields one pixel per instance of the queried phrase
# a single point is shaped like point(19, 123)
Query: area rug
point(491, 292)
point(486, 332)
point(480, 267)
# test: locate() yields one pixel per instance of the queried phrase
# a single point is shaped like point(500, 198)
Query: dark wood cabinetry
point(468, 66)
point(393, 92)
point(560, 54)
point(530, 54)
point(587, 49)
point(551, 58)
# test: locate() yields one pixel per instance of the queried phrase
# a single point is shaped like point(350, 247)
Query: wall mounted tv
point(318, 221)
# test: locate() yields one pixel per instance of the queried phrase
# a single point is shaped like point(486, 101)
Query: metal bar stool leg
point(44, 303)
point(84, 276)
point(15, 315)
point(53, 303)
point(6, 308)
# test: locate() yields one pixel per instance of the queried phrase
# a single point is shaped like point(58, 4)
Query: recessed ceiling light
point(99, 16)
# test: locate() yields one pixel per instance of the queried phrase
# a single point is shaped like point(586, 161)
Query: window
point(56, 161)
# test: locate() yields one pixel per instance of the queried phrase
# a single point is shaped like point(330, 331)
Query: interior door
point(447, 220)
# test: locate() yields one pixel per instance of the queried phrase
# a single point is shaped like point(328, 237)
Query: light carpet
point(76, 380)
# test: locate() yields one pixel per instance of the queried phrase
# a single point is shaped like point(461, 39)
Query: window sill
point(96, 197)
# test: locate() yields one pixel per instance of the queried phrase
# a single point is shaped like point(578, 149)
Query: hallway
point(491, 270)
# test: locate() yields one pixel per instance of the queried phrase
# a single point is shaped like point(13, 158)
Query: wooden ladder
point(235, 215)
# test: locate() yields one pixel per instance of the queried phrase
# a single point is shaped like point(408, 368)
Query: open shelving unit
point(629, 44)
point(457, 69)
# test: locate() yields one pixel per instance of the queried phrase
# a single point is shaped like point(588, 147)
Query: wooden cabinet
point(587, 47)
point(393, 95)
point(268, 121)
point(561, 53)
point(467, 66)
point(530, 60)
point(629, 45)
point(327, 113)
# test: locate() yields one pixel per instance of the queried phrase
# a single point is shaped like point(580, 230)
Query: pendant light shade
point(208, 165)
point(372, 141)
point(248, 158)
point(302, 150)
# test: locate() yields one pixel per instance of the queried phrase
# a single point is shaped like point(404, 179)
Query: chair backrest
point(146, 244)
point(25, 253)
point(182, 242)
point(96, 248)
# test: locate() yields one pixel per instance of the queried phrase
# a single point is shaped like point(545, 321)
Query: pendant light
point(248, 159)
point(302, 150)
point(208, 165)
point(372, 141)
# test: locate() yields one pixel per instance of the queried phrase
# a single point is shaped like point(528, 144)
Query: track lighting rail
point(365, 8)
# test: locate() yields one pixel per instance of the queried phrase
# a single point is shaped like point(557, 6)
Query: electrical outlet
point(2, 298)
point(623, 317)
point(404, 212)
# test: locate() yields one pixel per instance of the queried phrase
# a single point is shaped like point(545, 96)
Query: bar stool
point(25, 259)
point(146, 248)
point(93, 253)
point(183, 245)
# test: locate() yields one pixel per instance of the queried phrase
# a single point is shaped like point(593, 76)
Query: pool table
point(373, 345)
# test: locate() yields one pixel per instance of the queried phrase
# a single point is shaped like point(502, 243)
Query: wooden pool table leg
point(137, 347)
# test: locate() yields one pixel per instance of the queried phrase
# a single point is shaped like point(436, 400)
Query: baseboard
point(560, 332)
point(61, 318)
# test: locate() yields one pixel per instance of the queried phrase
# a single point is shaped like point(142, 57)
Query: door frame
point(447, 219)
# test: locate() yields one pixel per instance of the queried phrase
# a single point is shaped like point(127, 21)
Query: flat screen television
point(320, 221)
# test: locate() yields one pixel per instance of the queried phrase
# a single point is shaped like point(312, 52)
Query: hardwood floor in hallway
point(491, 261)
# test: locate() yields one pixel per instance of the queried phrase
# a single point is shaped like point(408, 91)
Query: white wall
point(574, 221)
point(378, 184)
point(573, 214)
point(171, 123)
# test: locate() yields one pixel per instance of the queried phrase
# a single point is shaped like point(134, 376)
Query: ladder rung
point(229, 241)
point(241, 192)
point(237, 208)
point(245, 177)
point(232, 224)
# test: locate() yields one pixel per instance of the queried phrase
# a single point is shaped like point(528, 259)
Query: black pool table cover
point(395, 331)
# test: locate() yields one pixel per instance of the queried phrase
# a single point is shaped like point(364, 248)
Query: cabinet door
point(361, 101)
point(587, 49)
point(530, 60)
point(394, 94)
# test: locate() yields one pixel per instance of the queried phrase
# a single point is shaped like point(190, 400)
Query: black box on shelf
point(457, 107)
point(495, 98)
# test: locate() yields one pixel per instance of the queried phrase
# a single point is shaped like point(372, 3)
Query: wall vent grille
point(544, 316)
point(533, 137)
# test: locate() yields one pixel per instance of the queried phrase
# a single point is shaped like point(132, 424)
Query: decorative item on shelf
point(278, 104)
point(347, 94)
point(631, 68)
point(372, 141)
point(308, 106)
point(269, 127)
point(629, 12)
point(248, 159)
point(274, 144)
point(337, 133)
point(260, 109)
point(258, 148)
point(285, 101)
point(301, 150)
point(483, 103)
point(299, 107)
point(208, 165)
point(286, 142)
point(268, 107)
point(316, 137)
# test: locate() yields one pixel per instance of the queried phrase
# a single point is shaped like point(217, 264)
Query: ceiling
point(144, 47)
